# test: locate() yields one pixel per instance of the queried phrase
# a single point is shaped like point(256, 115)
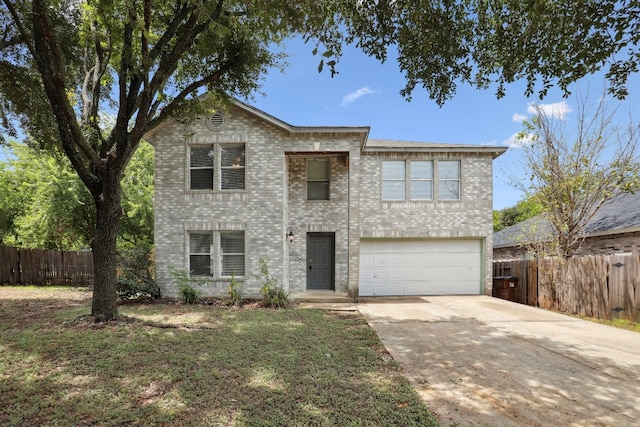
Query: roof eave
point(494, 151)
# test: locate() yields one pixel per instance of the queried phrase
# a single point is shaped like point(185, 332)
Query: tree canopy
point(64, 63)
point(574, 169)
point(521, 211)
point(43, 203)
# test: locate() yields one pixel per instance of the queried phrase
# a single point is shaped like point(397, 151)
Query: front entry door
point(320, 255)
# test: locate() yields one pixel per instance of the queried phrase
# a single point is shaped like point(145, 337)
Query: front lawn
point(172, 364)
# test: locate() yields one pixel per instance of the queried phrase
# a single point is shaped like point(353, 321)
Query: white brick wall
point(471, 217)
point(275, 199)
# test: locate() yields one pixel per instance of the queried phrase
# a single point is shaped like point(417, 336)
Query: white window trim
point(307, 180)
point(217, 167)
point(410, 180)
point(232, 167)
point(215, 254)
point(445, 180)
point(221, 254)
point(403, 180)
point(192, 168)
point(435, 181)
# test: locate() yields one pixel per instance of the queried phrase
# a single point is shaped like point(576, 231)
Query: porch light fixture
point(289, 235)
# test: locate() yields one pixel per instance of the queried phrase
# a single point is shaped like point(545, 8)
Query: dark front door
point(320, 261)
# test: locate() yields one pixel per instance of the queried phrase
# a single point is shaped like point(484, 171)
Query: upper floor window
point(449, 180)
point(232, 167)
point(201, 167)
point(228, 171)
point(393, 180)
point(421, 187)
point(420, 182)
point(318, 171)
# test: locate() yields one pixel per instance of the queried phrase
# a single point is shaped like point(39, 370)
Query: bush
point(189, 295)
point(186, 285)
point(273, 295)
point(234, 291)
point(276, 298)
point(136, 274)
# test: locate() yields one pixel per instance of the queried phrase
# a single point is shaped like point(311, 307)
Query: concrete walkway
point(482, 361)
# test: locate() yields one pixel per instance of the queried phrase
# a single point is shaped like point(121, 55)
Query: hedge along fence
point(45, 267)
point(599, 286)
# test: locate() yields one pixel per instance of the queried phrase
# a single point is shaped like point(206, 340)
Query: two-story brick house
point(327, 207)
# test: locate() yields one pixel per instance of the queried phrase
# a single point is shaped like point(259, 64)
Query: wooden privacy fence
point(45, 267)
point(601, 286)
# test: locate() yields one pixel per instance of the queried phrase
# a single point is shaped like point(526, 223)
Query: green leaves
point(45, 205)
point(574, 172)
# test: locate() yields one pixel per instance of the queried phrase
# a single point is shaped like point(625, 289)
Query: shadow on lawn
point(256, 367)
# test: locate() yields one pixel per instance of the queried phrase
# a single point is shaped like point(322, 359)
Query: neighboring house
point(614, 229)
point(328, 208)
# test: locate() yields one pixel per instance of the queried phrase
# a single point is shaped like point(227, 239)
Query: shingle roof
point(377, 145)
point(619, 215)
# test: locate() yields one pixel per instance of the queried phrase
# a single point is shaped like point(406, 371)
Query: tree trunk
point(108, 214)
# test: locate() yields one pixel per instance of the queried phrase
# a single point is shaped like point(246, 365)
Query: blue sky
point(366, 93)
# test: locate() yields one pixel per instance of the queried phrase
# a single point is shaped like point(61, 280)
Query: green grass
point(629, 325)
point(173, 364)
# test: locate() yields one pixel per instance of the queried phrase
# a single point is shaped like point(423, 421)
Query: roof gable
point(361, 131)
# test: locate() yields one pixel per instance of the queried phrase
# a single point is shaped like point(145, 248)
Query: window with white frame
point(393, 180)
point(218, 254)
point(200, 252)
point(448, 180)
point(208, 174)
point(421, 186)
point(201, 167)
point(232, 166)
point(414, 180)
point(232, 253)
point(318, 171)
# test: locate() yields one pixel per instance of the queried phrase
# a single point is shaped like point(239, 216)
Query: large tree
point(62, 63)
point(574, 168)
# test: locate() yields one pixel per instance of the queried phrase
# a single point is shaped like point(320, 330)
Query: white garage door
point(420, 267)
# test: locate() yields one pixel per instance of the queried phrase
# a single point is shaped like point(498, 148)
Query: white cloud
point(353, 96)
point(557, 110)
point(519, 118)
point(517, 140)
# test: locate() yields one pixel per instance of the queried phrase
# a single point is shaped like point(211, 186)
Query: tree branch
point(168, 110)
point(47, 55)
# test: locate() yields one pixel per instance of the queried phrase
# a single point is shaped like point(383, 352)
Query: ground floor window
point(200, 245)
point(232, 250)
point(217, 253)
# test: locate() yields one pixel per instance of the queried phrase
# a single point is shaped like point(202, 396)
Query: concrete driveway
point(482, 361)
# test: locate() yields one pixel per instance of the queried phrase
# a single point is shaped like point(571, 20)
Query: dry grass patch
point(194, 366)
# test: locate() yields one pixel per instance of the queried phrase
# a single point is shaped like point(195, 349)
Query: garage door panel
point(382, 289)
point(420, 267)
point(366, 259)
point(366, 288)
point(415, 274)
point(396, 288)
point(411, 288)
point(366, 275)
